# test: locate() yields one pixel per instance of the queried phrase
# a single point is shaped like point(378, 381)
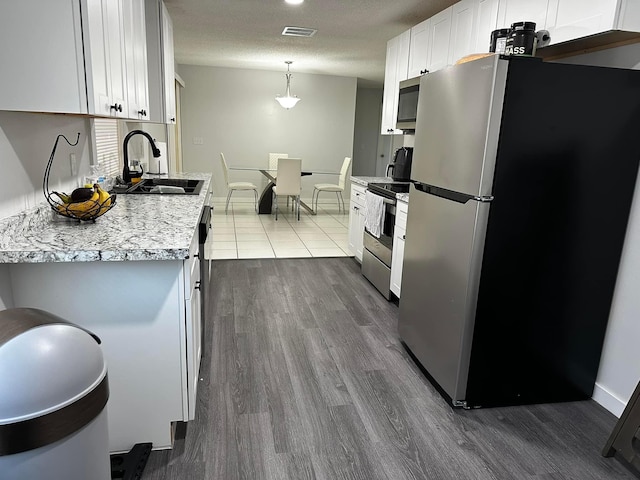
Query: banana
point(85, 209)
point(104, 199)
point(63, 196)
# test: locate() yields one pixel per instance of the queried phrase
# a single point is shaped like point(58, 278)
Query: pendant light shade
point(288, 101)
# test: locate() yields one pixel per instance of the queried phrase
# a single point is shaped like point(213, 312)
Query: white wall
point(234, 111)
point(26, 141)
point(367, 131)
point(619, 370)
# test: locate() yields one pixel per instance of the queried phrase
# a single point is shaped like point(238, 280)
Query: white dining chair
point(273, 162)
point(332, 187)
point(236, 185)
point(288, 182)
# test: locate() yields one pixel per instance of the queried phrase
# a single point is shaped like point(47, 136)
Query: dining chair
point(332, 187)
point(236, 185)
point(273, 161)
point(288, 182)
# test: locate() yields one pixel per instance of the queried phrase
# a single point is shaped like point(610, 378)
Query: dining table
point(266, 198)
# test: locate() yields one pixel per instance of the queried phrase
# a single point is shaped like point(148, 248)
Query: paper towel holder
point(159, 165)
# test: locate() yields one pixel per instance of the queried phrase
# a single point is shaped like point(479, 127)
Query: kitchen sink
point(165, 186)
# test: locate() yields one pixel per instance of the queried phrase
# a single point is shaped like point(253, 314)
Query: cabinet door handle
point(404, 237)
point(117, 107)
point(142, 112)
point(197, 286)
point(173, 119)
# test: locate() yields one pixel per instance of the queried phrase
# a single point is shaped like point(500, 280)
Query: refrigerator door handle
point(450, 194)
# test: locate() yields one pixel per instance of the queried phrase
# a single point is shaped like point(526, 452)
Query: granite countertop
point(364, 181)
point(138, 227)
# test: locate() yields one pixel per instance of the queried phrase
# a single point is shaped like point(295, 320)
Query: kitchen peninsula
point(132, 278)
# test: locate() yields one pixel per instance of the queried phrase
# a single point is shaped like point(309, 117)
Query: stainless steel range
point(377, 252)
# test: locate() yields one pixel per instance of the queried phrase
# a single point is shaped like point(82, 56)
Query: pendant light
point(288, 101)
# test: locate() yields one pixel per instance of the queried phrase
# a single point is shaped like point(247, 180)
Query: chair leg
point(314, 205)
point(255, 194)
point(228, 198)
point(338, 197)
point(298, 207)
point(341, 200)
point(276, 202)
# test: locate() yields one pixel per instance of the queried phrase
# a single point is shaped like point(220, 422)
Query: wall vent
point(299, 31)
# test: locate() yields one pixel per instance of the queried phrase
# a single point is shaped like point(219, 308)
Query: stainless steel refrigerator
point(524, 176)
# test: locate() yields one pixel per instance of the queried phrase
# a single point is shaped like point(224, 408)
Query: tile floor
point(244, 234)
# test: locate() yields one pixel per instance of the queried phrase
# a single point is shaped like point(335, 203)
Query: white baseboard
point(608, 400)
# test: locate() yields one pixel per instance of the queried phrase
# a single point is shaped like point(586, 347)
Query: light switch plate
point(198, 141)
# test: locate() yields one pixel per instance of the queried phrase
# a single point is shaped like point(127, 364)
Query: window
point(107, 145)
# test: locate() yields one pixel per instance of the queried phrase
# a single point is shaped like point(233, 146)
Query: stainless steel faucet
point(126, 173)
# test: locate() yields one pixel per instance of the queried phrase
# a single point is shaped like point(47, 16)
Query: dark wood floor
point(304, 378)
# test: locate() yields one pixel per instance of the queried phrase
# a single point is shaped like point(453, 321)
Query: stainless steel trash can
point(53, 394)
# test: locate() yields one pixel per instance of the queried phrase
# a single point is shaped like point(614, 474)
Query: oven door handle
point(384, 199)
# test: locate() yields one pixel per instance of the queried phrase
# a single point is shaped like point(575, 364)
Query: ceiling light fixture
point(288, 101)
point(294, 2)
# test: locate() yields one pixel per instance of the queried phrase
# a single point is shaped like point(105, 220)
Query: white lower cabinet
point(147, 315)
point(398, 247)
point(356, 221)
point(192, 323)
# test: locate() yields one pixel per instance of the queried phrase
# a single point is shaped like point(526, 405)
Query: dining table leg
point(266, 201)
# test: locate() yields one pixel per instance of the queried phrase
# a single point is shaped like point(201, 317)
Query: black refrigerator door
point(564, 181)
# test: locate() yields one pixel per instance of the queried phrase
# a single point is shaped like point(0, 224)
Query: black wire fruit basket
point(88, 209)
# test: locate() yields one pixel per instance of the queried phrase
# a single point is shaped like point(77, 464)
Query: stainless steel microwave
point(408, 104)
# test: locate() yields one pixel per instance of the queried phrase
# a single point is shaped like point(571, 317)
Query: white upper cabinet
point(396, 66)
point(571, 19)
point(69, 56)
point(512, 11)
point(160, 61)
point(104, 58)
point(463, 30)
point(136, 59)
point(419, 48)
point(486, 22)
point(430, 40)
point(439, 38)
point(42, 57)
point(168, 66)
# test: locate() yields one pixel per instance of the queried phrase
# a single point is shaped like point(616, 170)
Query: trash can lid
point(46, 368)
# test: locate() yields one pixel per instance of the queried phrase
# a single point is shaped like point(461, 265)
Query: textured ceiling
point(351, 39)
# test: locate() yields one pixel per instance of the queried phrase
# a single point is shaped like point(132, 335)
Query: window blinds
point(107, 145)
